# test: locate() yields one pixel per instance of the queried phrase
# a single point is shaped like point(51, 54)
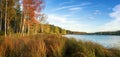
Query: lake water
point(105, 40)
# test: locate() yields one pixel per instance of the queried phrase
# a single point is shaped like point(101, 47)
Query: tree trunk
point(36, 29)
point(1, 21)
point(23, 27)
point(21, 23)
point(42, 28)
point(6, 17)
point(23, 20)
point(1, 17)
point(28, 32)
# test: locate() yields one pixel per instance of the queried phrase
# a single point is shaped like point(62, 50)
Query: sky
point(84, 15)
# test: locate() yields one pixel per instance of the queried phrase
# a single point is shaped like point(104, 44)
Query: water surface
point(105, 40)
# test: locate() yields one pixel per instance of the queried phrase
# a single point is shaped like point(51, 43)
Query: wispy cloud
point(97, 12)
point(65, 23)
point(91, 18)
point(75, 8)
point(115, 23)
point(66, 7)
point(85, 3)
point(64, 3)
point(52, 17)
point(72, 6)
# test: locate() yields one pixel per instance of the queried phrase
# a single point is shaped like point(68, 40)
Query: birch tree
point(6, 16)
point(1, 15)
point(31, 8)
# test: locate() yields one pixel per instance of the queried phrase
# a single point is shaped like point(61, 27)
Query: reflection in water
point(105, 40)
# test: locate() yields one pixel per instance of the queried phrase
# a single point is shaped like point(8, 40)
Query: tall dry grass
point(47, 45)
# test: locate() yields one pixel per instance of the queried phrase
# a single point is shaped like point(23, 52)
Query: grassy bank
point(46, 45)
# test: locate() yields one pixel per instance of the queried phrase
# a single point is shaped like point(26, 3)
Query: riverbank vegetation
point(52, 45)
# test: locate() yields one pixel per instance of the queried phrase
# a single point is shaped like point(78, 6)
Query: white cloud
point(115, 23)
point(75, 8)
point(97, 12)
point(65, 23)
point(91, 18)
point(66, 7)
point(74, 25)
point(66, 3)
point(85, 3)
point(56, 18)
point(72, 6)
point(73, 1)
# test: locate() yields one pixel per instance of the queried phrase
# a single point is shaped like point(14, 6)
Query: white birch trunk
point(6, 17)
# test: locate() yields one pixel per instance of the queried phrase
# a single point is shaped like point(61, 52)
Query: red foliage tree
point(32, 9)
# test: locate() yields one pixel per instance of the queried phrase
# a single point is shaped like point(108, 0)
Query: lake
point(108, 41)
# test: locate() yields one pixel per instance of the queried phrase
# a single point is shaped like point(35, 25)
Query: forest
point(25, 17)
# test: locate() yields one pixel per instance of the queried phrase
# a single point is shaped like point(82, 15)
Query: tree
point(16, 19)
point(7, 12)
point(1, 10)
point(63, 31)
point(47, 28)
point(31, 8)
point(11, 14)
point(6, 16)
point(42, 20)
point(57, 30)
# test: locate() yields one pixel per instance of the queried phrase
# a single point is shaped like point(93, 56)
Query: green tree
point(1, 14)
point(57, 30)
point(7, 14)
point(47, 28)
point(63, 31)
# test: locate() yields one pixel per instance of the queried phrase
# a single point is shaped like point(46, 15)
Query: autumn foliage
point(32, 9)
point(52, 45)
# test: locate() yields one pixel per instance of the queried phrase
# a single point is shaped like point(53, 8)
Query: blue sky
point(84, 15)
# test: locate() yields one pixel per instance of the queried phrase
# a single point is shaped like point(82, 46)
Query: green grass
point(47, 45)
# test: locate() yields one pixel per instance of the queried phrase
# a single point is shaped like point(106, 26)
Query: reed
point(47, 45)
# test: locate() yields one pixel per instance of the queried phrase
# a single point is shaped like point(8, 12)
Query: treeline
point(107, 33)
point(24, 17)
point(75, 32)
point(21, 16)
point(51, 29)
point(57, 30)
